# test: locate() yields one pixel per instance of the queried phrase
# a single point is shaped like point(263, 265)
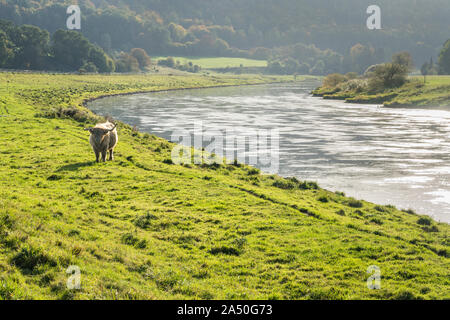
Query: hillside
point(246, 28)
point(143, 228)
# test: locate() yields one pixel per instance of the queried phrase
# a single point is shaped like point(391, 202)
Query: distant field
point(435, 80)
point(221, 62)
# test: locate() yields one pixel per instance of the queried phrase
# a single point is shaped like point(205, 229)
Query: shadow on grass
point(76, 166)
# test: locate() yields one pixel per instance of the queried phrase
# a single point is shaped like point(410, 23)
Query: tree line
point(250, 28)
point(29, 47)
point(302, 59)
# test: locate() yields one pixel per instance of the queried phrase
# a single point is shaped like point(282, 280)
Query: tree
point(99, 58)
point(318, 69)
point(169, 62)
point(424, 70)
point(332, 80)
point(88, 66)
point(403, 58)
point(177, 32)
point(6, 53)
point(388, 75)
point(291, 66)
point(33, 47)
point(70, 49)
point(142, 57)
point(275, 67)
point(444, 59)
point(127, 63)
point(303, 68)
point(361, 57)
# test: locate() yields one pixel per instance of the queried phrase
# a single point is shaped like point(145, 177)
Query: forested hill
point(246, 28)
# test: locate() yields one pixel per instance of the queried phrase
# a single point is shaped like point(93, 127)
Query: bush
point(354, 203)
point(388, 75)
point(284, 184)
point(144, 221)
point(253, 171)
point(351, 75)
point(142, 57)
point(308, 185)
point(127, 63)
point(88, 66)
point(332, 80)
point(131, 240)
point(29, 259)
point(357, 85)
point(169, 62)
point(225, 250)
point(425, 221)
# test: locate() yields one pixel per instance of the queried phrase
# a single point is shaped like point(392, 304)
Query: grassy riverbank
point(435, 92)
point(143, 228)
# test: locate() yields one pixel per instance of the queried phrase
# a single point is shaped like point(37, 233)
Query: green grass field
point(215, 63)
point(435, 92)
point(143, 228)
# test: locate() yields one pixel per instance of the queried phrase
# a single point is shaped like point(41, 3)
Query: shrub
point(357, 85)
point(225, 250)
point(88, 66)
point(308, 185)
point(380, 209)
point(284, 184)
point(70, 112)
point(29, 259)
point(426, 221)
point(351, 75)
point(144, 221)
point(354, 203)
point(376, 221)
point(430, 229)
point(388, 75)
point(142, 57)
point(332, 80)
point(131, 240)
point(253, 171)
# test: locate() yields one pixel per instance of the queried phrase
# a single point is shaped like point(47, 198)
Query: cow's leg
point(111, 155)
point(97, 156)
point(104, 156)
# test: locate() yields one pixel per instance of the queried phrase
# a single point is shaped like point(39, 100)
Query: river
point(388, 156)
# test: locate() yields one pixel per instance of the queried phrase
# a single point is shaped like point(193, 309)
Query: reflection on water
point(387, 156)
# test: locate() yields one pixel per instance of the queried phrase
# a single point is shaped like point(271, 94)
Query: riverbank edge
point(413, 94)
point(86, 101)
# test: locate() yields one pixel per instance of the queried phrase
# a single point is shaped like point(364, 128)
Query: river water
point(388, 156)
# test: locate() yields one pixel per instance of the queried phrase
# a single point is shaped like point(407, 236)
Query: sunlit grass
point(142, 228)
